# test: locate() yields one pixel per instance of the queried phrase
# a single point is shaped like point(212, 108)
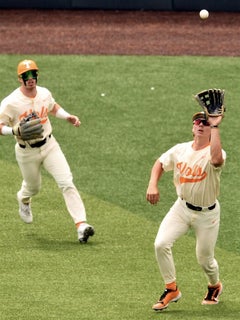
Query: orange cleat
point(213, 294)
point(168, 296)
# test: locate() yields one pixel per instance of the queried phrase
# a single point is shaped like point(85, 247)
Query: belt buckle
point(204, 209)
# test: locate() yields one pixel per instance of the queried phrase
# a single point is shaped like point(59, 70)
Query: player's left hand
point(74, 120)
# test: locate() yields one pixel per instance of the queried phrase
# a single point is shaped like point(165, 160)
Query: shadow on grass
point(56, 244)
point(200, 312)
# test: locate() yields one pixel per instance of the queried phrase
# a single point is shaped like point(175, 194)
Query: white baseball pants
point(175, 224)
point(51, 157)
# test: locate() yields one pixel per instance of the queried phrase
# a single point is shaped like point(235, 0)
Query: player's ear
point(20, 80)
point(193, 132)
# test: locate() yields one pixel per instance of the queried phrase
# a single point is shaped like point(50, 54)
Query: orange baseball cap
point(26, 65)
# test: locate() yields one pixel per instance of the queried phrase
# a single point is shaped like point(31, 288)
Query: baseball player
point(25, 114)
point(196, 167)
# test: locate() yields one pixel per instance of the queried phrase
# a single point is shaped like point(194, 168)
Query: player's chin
point(31, 85)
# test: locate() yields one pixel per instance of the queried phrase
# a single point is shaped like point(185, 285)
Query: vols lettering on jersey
point(188, 174)
point(43, 114)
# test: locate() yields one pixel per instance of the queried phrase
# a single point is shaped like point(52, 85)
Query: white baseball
point(204, 14)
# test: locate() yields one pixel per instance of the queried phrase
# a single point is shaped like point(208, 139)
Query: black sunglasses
point(29, 74)
point(204, 122)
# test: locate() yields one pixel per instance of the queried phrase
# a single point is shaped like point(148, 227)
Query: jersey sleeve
point(48, 99)
point(6, 116)
point(167, 159)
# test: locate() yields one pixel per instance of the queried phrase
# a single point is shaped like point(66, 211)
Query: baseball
point(204, 14)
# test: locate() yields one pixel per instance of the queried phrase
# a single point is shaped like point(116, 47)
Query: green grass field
point(45, 272)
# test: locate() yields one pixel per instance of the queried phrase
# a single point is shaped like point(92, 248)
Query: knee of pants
point(33, 189)
point(161, 246)
point(67, 188)
point(207, 263)
point(65, 184)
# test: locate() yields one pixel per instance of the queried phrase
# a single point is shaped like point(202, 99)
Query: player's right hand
point(152, 195)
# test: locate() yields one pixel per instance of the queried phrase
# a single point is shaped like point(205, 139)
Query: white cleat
point(84, 232)
point(25, 211)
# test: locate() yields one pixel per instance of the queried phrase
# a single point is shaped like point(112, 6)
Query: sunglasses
point(204, 122)
point(29, 74)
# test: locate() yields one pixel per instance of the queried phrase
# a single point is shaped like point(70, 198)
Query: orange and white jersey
point(196, 180)
point(17, 106)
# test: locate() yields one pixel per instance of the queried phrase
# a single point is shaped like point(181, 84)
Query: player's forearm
point(216, 147)
point(156, 173)
point(152, 194)
point(60, 113)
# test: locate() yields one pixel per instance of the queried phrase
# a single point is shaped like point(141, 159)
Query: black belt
point(192, 207)
point(37, 144)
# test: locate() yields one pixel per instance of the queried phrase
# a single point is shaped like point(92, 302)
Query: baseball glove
point(29, 128)
point(212, 102)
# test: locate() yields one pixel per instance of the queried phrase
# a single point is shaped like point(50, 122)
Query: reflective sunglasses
point(204, 122)
point(31, 74)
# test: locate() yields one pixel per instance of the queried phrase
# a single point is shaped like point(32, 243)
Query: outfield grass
point(45, 272)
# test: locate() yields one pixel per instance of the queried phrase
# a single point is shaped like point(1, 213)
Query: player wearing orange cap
point(33, 152)
point(196, 166)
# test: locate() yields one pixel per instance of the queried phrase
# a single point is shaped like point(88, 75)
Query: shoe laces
point(26, 208)
point(166, 291)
